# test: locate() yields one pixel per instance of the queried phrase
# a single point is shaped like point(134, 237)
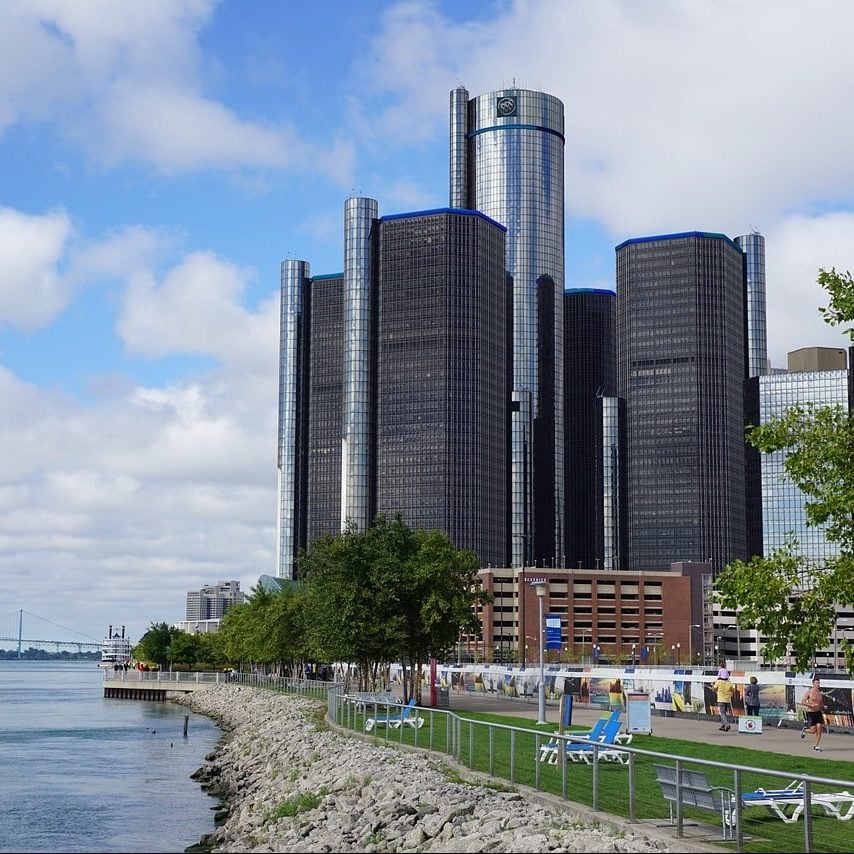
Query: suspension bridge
point(12, 631)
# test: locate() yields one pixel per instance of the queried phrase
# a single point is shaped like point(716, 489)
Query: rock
point(288, 787)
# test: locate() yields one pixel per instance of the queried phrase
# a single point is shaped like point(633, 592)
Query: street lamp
point(633, 655)
point(836, 628)
point(541, 586)
point(691, 641)
point(737, 640)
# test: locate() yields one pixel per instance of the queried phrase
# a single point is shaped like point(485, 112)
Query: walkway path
point(690, 727)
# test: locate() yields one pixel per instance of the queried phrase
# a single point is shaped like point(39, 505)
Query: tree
point(387, 594)
point(155, 645)
point(790, 598)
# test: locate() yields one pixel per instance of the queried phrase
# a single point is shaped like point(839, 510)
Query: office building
point(590, 377)
point(442, 368)
point(783, 511)
point(394, 382)
point(681, 370)
point(506, 160)
point(753, 246)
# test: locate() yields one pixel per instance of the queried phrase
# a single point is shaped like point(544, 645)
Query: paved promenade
point(690, 727)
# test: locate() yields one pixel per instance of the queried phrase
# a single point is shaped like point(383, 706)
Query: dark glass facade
point(395, 384)
point(590, 372)
point(442, 365)
point(323, 405)
point(681, 370)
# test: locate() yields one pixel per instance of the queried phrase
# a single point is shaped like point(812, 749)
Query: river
point(82, 773)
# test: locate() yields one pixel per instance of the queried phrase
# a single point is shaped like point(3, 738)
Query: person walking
point(724, 690)
point(751, 697)
point(813, 702)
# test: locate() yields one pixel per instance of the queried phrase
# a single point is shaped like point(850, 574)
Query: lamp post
point(836, 629)
point(633, 655)
point(691, 641)
point(737, 640)
point(541, 586)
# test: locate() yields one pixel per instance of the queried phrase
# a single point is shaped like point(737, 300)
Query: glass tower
point(293, 308)
point(753, 246)
point(681, 371)
point(506, 160)
point(590, 375)
point(782, 501)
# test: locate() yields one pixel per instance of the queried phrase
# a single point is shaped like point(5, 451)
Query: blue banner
point(553, 631)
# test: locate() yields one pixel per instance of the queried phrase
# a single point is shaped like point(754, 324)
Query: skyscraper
point(753, 246)
point(506, 160)
point(590, 375)
point(681, 371)
point(442, 377)
point(783, 512)
point(394, 383)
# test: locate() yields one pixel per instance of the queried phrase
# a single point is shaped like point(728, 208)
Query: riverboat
point(115, 649)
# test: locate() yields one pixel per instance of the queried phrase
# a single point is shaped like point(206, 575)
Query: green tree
point(387, 594)
point(790, 598)
point(154, 646)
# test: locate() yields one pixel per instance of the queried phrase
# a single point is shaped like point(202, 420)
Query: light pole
point(691, 641)
point(836, 629)
point(737, 640)
point(541, 586)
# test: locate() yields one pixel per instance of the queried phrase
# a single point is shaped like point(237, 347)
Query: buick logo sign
point(506, 106)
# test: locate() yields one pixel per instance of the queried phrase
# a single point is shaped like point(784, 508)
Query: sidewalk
point(687, 726)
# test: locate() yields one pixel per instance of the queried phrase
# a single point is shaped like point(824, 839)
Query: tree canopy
point(386, 594)
point(788, 596)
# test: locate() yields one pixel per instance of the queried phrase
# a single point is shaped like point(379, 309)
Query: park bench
point(692, 789)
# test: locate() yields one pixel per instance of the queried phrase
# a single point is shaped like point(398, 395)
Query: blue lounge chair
point(605, 747)
point(549, 750)
point(408, 715)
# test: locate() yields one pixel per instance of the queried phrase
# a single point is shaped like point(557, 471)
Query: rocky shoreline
point(289, 783)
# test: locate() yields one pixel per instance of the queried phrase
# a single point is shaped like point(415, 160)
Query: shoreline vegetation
point(289, 783)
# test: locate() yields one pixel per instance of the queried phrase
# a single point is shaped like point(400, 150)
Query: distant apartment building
point(213, 601)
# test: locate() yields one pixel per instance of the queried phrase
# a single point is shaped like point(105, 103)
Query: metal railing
point(627, 789)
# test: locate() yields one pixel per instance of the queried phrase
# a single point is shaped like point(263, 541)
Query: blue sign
point(553, 631)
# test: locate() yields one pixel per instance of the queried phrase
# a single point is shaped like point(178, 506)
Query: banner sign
point(553, 631)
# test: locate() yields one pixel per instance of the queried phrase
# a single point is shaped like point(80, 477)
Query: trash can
point(442, 698)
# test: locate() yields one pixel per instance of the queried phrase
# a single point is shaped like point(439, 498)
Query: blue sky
point(158, 161)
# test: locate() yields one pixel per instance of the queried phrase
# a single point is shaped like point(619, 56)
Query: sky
point(159, 159)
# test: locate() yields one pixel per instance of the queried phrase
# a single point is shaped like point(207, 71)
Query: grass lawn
point(493, 750)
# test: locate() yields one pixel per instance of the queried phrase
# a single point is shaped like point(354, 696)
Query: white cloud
point(795, 249)
point(130, 88)
point(32, 291)
point(196, 309)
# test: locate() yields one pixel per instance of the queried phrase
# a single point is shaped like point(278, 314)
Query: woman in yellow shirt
point(724, 689)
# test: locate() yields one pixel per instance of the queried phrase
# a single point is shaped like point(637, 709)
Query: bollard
point(186, 724)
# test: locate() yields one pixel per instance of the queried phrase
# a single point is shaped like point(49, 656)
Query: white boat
point(115, 650)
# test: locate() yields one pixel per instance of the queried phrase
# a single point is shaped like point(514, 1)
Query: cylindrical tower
point(294, 275)
point(753, 246)
point(360, 214)
point(512, 170)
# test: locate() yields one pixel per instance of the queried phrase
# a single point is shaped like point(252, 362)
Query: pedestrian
point(813, 702)
point(751, 697)
point(724, 689)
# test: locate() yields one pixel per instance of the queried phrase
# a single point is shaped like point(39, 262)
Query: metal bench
point(692, 789)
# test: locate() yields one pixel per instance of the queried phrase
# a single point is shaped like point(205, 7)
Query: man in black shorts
point(813, 702)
